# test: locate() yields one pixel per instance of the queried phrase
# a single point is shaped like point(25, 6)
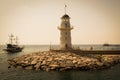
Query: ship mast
point(16, 40)
point(11, 39)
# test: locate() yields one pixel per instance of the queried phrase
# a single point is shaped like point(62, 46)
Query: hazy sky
point(36, 21)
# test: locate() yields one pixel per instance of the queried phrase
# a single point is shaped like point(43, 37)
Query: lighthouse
point(65, 32)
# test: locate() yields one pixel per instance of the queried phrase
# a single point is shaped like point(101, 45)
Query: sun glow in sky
point(36, 21)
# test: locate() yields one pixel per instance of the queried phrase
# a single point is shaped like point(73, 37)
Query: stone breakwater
point(63, 61)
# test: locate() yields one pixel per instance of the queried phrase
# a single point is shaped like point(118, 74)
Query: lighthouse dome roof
point(65, 16)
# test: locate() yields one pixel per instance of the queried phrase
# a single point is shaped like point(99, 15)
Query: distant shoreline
point(72, 44)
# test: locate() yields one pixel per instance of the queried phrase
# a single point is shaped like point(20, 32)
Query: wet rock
point(43, 67)
point(70, 57)
point(47, 69)
point(26, 62)
point(29, 67)
point(34, 62)
point(74, 61)
point(19, 67)
point(50, 59)
point(43, 63)
point(37, 66)
point(9, 66)
point(54, 65)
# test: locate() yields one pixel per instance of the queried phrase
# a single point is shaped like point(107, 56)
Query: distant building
point(65, 32)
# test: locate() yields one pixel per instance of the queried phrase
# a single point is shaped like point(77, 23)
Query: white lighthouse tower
point(65, 32)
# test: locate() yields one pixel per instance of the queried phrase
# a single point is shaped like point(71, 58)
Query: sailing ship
point(11, 47)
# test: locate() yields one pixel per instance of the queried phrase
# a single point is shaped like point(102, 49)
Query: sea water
point(112, 73)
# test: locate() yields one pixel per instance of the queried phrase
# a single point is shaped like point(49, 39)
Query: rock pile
point(62, 61)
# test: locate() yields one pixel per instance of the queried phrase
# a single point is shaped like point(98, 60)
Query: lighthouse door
point(66, 46)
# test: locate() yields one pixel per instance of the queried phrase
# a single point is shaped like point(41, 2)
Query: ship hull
point(13, 50)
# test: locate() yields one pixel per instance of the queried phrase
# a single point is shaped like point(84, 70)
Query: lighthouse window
point(65, 24)
point(66, 19)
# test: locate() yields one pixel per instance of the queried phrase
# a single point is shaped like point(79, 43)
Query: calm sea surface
point(112, 73)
